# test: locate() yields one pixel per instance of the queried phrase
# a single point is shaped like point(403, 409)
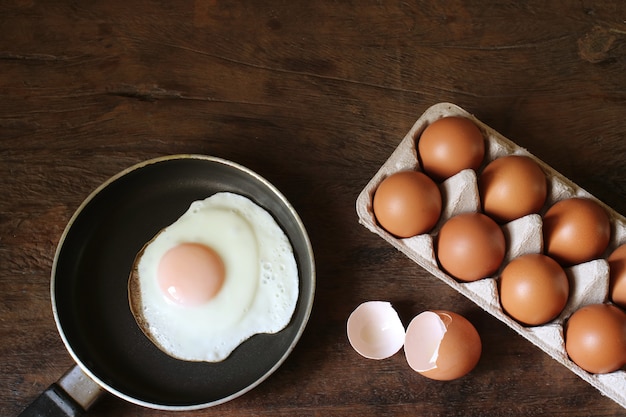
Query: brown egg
point(533, 289)
point(407, 203)
point(595, 338)
point(470, 246)
point(450, 145)
point(617, 271)
point(511, 187)
point(442, 345)
point(576, 230)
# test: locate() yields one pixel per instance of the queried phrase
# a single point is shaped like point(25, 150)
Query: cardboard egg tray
point(588, 281)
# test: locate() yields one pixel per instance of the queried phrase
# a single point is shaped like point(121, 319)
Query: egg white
point(260, 289)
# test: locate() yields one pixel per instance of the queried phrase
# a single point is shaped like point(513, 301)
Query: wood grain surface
point(314, 96)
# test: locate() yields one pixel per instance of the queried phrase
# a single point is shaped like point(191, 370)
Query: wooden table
point(314, 96)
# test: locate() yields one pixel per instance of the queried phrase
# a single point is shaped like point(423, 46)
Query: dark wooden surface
point(314, 96)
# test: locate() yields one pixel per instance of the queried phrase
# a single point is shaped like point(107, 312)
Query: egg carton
point(588, 281)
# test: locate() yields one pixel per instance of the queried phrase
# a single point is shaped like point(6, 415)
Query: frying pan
point(90, 303)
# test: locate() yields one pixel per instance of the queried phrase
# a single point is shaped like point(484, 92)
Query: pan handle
point(70, 396)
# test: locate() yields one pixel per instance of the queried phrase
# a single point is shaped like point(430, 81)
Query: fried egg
point(221, 273)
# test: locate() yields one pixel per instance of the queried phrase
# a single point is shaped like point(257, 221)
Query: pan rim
point(307, 307)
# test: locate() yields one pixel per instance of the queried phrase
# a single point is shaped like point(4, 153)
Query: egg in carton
point(589, 281)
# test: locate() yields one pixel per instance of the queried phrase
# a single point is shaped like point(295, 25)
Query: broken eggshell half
point(442, 345)
point(375, 330)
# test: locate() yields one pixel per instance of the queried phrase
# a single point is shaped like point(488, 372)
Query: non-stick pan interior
point(90, 277)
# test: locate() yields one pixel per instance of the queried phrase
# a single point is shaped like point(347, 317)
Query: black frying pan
point(90, 301)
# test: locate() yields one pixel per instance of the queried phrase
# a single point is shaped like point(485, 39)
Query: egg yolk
point(190, 274)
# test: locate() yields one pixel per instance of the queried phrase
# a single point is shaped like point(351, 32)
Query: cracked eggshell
point(375, 330)
point(442, 345)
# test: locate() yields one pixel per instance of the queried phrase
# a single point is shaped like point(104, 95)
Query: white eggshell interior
point(375, 330)
point(423, 338)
